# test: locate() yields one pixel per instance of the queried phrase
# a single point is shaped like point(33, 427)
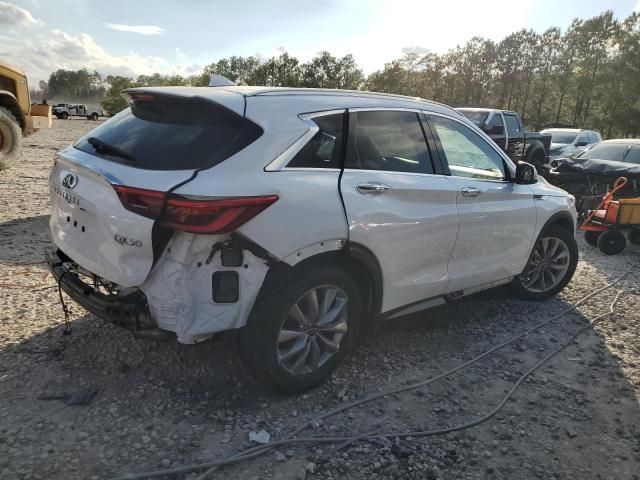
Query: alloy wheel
point(548, 265)
point(313, 330)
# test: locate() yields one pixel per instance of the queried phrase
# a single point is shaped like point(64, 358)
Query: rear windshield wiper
point(105, 147)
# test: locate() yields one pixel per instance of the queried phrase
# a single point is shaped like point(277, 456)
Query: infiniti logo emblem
point(70, 181)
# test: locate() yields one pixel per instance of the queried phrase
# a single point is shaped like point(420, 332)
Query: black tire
point(10, 138)
point(634, 236)
point(612, 242)
point(517, 285)
point(93, 116)
point(258, 340)
point(64, 115)
point(591, 237)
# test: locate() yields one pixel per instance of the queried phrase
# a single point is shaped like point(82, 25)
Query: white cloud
point(416, 49)
point(637, 9)
point(55, 49)
point(13, 15)
point(141, 29)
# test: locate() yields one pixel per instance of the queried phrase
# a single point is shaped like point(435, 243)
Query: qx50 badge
point(70, 181)
point(130, 242)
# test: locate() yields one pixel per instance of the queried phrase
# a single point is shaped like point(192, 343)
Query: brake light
point(147, 203)
point(194, 215)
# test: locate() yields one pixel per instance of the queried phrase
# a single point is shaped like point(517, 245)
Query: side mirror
point(526, 174)
point(495, 130)
point(582, 144)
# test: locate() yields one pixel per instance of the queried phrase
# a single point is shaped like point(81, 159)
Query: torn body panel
point(179, 288)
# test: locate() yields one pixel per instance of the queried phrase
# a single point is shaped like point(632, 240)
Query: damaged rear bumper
point(130, 311)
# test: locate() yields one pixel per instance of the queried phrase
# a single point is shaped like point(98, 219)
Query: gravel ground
point(161, 405)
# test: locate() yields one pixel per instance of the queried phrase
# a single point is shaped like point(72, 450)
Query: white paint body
point(428, 239)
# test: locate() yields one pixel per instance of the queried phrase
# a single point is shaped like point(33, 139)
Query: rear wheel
point(591, 237)
point(93, 116)
point(551, 265)
point(64, 115)
point(612, 242)
point(298, 335)
point(634, 236)
point(10, 138)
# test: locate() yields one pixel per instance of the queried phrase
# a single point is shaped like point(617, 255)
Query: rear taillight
point(195, 215)
point(147, 203)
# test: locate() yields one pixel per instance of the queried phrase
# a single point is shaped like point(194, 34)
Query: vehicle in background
point(506, 129)
point(18, 116)
point(66, 110)
point(566, 142)
point(593, 172)
point(296, 216)
point(614, 150)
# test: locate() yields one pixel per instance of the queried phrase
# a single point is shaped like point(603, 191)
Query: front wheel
point(551, 265)
point(298, 334)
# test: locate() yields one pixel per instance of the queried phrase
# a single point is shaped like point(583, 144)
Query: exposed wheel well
point(563, 220)
point(357, 260)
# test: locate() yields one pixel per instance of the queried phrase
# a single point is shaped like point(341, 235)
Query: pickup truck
point(66, 110)
point(506, 130)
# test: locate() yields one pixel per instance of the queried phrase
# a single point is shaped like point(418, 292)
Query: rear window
point(171, 133)
point(564, 138)
point(477, 117)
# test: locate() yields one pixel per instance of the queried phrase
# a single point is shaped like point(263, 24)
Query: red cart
point(604, 225)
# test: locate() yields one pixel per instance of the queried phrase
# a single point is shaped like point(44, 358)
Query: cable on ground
point(289, 439)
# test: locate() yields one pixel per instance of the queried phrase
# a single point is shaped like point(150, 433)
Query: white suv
point(296, 216)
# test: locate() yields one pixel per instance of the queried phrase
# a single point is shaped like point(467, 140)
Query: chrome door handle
point(470, 192)
point(372, 188)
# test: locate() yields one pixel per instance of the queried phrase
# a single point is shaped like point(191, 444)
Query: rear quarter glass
point(173, 133)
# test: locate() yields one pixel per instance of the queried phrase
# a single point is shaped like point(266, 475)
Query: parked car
point(297, 216)
point(592, 172)
point(566, 142)
point(67, 110)
point(506, 129)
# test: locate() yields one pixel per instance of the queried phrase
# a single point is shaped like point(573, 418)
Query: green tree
point(113, 101)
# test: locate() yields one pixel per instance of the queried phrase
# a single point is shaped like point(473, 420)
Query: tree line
point(587, 75)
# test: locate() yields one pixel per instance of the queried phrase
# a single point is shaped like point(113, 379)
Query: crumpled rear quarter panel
point(179, 293)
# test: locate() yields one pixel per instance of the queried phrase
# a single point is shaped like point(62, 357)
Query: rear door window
point(388, 141)
point(171, 133)
point(323, 150)
point(513, 125)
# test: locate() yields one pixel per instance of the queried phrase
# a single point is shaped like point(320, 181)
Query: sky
point(127, 37)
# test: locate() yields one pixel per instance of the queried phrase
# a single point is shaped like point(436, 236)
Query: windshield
point(562, 137)
point(606, 151)
point(478, 118)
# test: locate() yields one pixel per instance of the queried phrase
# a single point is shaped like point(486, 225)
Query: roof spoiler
point(216, 80)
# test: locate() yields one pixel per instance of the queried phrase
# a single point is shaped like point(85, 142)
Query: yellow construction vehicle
point(18, 116)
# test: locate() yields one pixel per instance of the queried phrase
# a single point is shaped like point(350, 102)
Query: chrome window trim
point(280, 162)
point(394, 172)
point(510, 165)
point(384, 109)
